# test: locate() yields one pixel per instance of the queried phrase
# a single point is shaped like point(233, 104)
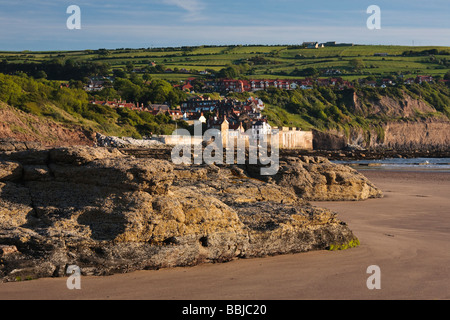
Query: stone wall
point(296, 139)
point(178, 139)
point(289, 138)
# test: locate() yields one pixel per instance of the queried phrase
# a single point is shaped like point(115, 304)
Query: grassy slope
point(23, 126)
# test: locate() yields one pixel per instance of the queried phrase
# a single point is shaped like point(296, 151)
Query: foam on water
point(435, 164)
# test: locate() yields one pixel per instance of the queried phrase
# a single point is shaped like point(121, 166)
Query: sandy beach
point(406, 234)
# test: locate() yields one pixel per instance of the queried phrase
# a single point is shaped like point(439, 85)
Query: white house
point(260, 130)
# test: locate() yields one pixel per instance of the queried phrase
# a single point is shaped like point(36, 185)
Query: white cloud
point(193, 8)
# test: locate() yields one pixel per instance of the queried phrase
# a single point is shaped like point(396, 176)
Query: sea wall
point(296, 139)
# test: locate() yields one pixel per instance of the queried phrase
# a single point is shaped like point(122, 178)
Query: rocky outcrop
point(424, 135)
point(317, 179)
point(328, 141)
point(432, 134)
point(107, 212)
point(125, 142)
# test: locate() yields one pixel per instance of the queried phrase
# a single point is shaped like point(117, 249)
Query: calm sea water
point(435, 164)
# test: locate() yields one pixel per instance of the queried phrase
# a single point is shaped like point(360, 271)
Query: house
point(94, 85)
point(155, 112)
point(194, 117)
point(230, 85)
point(335, 81)
point(125, 104)
point(345, 84)
point(323, 82)
point(261, 129)
point(199, 104)
point(159, 107)
point(420, 79)
point(175, 114)
point(202, 118)
point(220, 124)
point(311, 45)
point(187, 87)
point(332, 72)
point(238, 129)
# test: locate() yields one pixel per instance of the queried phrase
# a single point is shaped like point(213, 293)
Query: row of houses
point(234, 111)
point(98, 83)
point(231, 85)
point(119, 104)
point(154, 109)
point(383, 83)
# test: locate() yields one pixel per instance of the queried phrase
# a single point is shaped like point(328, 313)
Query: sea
point(407, 164)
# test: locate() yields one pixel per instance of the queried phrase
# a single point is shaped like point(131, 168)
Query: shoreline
point(405, 233)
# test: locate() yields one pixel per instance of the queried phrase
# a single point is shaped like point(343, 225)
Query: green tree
point(129, 66)
point(10, 92)
point(447, 75)
point(356, 64)
point(146, 76)
point(120, 73)
point(127, 89)
point(41, 75)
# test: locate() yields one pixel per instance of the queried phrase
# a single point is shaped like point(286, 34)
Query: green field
point(271, 61)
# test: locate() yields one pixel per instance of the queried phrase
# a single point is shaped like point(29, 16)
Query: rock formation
point(108, 212)
point(125, 142)
point(317, 179)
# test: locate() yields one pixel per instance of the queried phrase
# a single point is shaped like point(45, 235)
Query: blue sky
point(41, 24)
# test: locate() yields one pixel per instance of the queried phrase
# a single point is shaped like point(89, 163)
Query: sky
point(41, 25)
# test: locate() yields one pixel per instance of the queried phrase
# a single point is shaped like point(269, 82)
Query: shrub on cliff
point(71, 105)
point(331, 108)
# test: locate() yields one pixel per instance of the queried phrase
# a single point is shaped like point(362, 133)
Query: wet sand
point(406, 234)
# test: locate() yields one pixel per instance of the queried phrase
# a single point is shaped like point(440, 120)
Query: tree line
point(57, 69)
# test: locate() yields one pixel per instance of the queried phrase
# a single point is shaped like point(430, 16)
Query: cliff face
point(430, 134)
point(417, 135)
point(107, 212)
point(390, 107)
point(414, 125)
point(20, 126)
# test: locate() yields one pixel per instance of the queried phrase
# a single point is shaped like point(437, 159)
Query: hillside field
point(264, 61)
